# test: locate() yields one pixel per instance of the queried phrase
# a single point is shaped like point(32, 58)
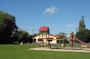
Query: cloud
point(70, 25)
point(50, 10)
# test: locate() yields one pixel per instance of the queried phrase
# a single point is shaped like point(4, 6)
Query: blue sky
point(59, 15)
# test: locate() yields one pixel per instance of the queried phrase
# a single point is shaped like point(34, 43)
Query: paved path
point(65, 50)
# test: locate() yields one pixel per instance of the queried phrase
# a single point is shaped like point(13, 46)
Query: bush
point(62, 40)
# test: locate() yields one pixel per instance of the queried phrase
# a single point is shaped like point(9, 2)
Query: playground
point(74, 45)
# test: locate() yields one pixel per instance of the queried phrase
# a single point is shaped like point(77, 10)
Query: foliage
point(24, 37)
point(8, 28)
point(61, 35)
point(82, 25)
point(62, 41)
point(83, 33)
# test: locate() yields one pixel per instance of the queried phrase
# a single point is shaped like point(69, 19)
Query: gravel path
point(86, 50)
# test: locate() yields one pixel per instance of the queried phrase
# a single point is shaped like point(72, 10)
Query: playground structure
point(45, 39)
point(72, 39)
point(65, 48)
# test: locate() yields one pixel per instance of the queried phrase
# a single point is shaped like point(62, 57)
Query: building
point(45, 38)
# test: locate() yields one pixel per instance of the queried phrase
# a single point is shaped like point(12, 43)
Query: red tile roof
point(44, 28)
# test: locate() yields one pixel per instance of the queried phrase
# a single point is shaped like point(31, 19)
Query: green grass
point(22, 52)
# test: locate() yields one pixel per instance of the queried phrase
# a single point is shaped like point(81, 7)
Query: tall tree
point(82, 25)
point(83, 33)
point(7, 27)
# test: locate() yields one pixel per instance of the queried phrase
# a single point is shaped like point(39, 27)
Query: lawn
point(23, 52)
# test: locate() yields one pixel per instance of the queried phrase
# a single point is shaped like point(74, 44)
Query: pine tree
point(83, 33)
point(82, 25)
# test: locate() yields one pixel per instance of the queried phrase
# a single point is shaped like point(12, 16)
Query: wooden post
point(64, 43)
point(46, 40)
point(71, 39)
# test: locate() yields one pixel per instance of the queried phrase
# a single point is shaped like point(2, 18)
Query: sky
point(58, 15)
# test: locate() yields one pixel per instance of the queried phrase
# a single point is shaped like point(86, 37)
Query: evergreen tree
point(82, 25)
point(83, 33)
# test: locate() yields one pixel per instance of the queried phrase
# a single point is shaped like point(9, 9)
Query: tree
point(7, 27)
point(82, 25)
point(24, 36)
point(61, 35)
point(83, 33)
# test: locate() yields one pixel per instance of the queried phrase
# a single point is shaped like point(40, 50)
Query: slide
point(83, 42)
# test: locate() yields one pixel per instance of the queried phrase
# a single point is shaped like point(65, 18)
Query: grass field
point(23, 52)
